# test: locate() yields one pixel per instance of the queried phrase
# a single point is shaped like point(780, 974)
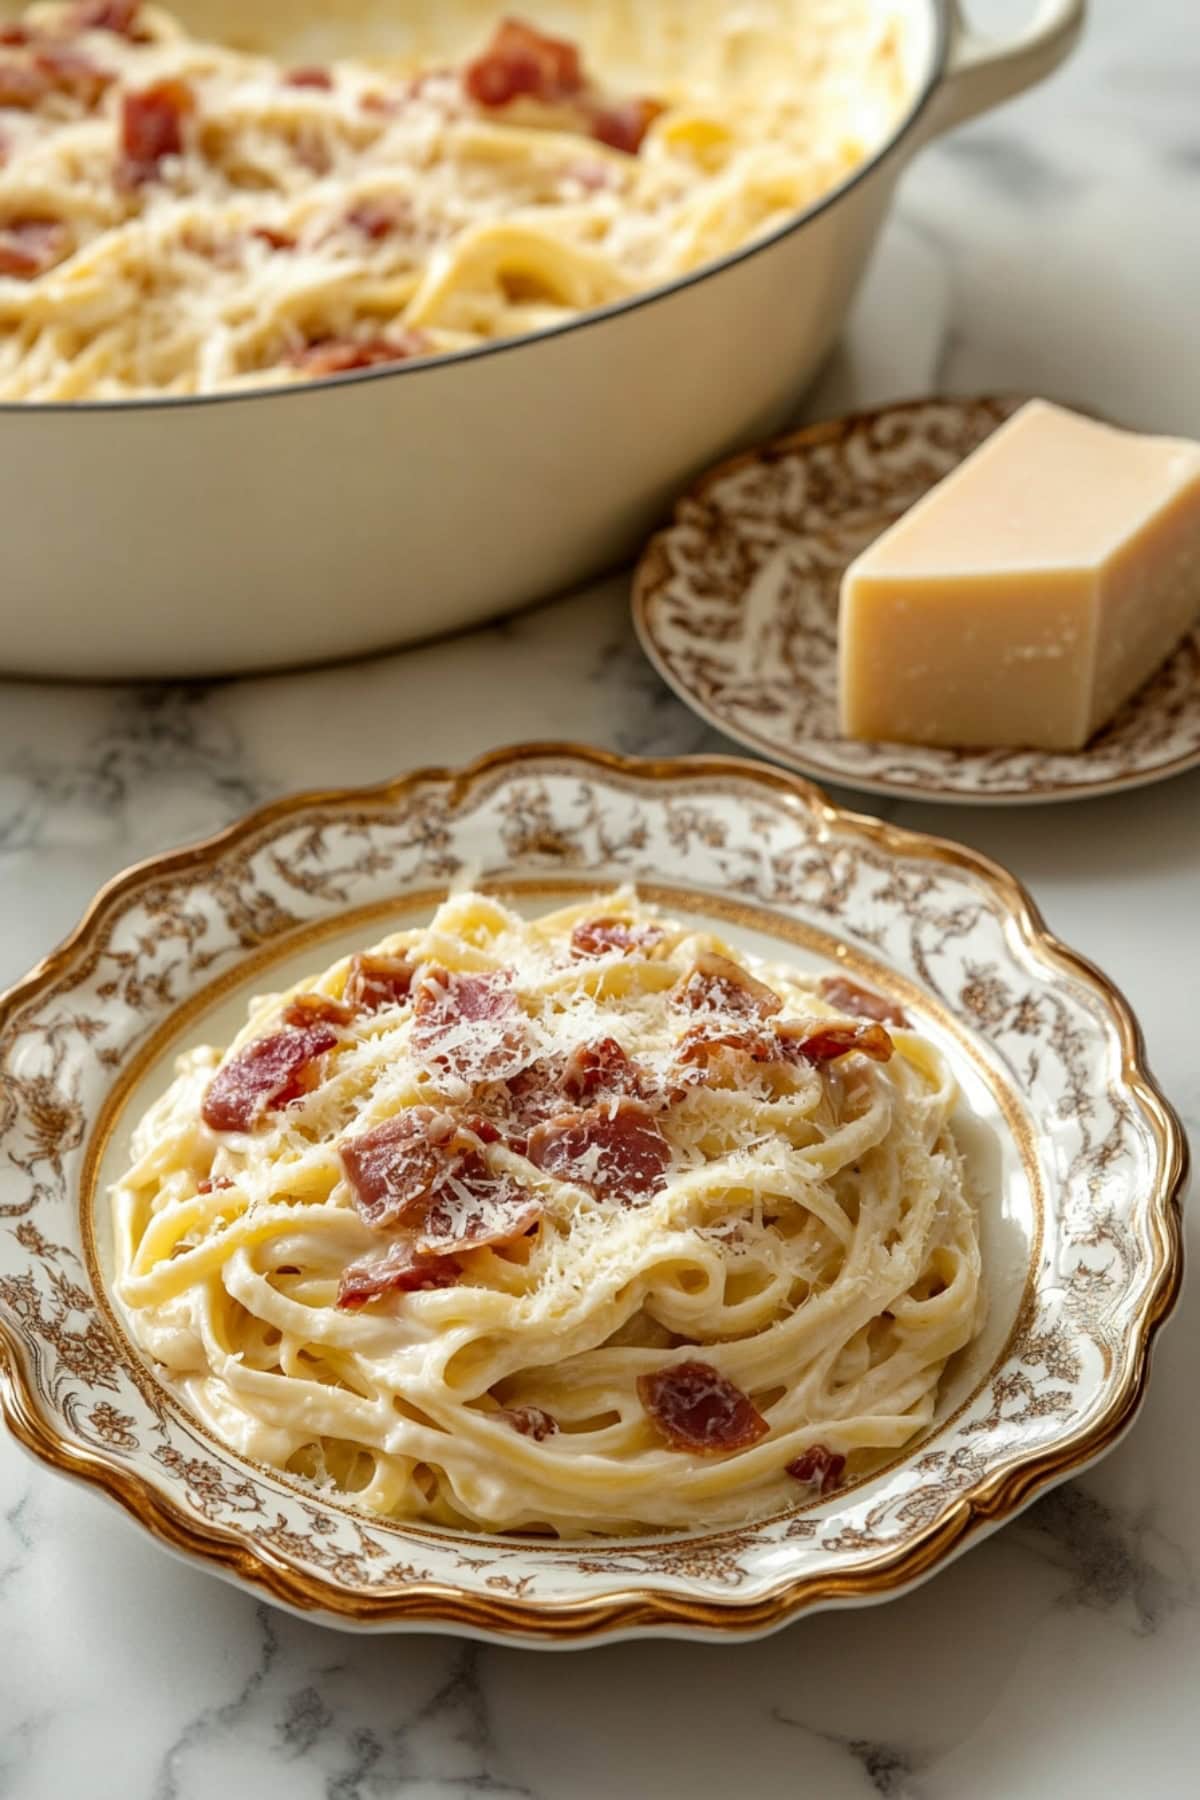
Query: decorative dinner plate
point(1076, 1159)
point(736, 602)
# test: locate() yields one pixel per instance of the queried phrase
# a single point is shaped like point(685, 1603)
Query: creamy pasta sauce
point(177, 217)
point(576, 1225)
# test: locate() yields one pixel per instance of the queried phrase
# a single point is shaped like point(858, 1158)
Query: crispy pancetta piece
point(616, 1150)
point(268, 1074)
point(694, 1407)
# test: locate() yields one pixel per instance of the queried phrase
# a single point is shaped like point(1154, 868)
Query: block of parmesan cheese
point(1029, 594)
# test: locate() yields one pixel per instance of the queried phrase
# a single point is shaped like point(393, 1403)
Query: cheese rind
point(1029, 594)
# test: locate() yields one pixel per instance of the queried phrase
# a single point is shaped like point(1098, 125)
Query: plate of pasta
point(575, 1196)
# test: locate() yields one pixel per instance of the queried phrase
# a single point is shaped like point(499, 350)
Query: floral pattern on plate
point(1083, 1131)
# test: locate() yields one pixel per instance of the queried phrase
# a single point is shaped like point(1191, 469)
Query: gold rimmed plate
point(1076, 1159)
point(735, 603)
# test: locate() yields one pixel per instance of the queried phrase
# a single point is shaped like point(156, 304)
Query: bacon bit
point(24, 85)
point(484, 1130)
point(268, 1074)
point(493, 1047)
point(592, 1068)
point(520, 60)
point(614, 1151)
point(213, 1184)
point(278, 240)
point(531, 1422)
point(554, 1085)
point(603, 1068)
point(695, 1408)
point(863, 1003)
point(377, 218)
point(28, 247)
point(68, 72)
point(117, 16)
point(600, 937)
point(825, 1043)
point(335, 356)
point(393, 1169)
point(152, 121)
point(378, 981)
point(304, 1008)
point(375, 102)
point(787, 1040)
point(700, 1043)
point(421, 1170)
point(21, 85)
point(311, 76)
point(472, 1209)
point(403, 1270)
point(717, 984)
point(14, 35)
point(819, 1468)
point(528, 1098)
point(624, 125)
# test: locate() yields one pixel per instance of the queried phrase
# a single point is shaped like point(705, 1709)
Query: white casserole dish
point(201, 536)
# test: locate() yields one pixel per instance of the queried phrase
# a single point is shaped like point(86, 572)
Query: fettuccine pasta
point(576, 1225)
point(181, 218)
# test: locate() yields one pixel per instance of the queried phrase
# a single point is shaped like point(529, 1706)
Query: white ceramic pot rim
point(956, 53)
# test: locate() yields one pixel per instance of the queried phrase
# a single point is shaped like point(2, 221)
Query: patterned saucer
point(735, 603)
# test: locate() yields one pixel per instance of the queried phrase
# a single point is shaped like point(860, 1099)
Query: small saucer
point(735, 603)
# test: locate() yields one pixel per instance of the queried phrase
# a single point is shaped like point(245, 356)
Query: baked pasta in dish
point(181, 218)
point(579, 1224)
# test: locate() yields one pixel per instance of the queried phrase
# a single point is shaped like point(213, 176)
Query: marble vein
point(20, 1539)
point(150, 756)
point(888, 1770)
point(169, 1782)
point(1117, 1562)
point(15, 1748)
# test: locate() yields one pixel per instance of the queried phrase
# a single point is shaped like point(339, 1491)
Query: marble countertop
point(1053, 246)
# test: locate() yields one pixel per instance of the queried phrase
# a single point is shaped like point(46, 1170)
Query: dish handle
point(982, 71)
